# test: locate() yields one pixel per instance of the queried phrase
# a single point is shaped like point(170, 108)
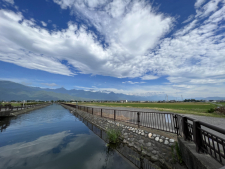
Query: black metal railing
point(207, 138)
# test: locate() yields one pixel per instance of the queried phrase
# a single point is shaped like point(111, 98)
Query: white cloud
point(130, 82)
point(36, 48)
point(194, 55)
point(149, 77)
point(209, 7)
point(9, 1)
point(191, 17)
point(198, 3)
point(43, 23)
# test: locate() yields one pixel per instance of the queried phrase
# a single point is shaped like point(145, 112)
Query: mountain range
point(15, 91)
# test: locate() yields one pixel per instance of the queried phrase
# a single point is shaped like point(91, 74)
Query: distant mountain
point(210, 98)
point(15, 91)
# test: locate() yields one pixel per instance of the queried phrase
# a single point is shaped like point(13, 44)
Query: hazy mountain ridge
point(15, 91)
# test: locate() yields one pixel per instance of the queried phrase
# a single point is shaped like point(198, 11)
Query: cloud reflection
point(39, 151)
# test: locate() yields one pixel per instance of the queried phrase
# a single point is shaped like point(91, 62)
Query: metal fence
point(207, 138)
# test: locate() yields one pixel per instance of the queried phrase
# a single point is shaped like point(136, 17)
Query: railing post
point(185, 128)
point(101, 112)
point(197, 135)
point(138, 119)
point(92, 111)
point(176, 128)
point(114, 115)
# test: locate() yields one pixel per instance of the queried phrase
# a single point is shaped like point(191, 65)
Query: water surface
point(53, 138)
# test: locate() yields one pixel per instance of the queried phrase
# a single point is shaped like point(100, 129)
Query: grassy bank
point(182, 108)
point(19, 104)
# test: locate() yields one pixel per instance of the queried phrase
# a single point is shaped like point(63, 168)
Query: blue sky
point(133, 47)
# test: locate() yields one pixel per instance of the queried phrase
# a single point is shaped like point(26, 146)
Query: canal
point(53, 138)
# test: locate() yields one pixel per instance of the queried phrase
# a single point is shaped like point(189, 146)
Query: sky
point(133, 47)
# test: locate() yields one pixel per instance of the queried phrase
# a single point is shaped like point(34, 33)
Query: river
point(53, 138)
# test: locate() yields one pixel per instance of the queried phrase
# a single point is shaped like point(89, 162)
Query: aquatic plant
point(113, 134)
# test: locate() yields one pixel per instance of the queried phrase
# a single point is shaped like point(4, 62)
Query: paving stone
point(144, 152)
point(149, 144)
point(166, 142)
point(171, 144)
point(131, 144)
point(150, 135)
point(141, 141)
point(171, 140)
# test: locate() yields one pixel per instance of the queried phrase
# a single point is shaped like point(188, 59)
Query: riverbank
point(16, 113)
point(155, 147)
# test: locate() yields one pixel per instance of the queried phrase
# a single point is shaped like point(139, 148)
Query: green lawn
point(183, 108)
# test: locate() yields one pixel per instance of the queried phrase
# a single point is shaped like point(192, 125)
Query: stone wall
point(157, 148)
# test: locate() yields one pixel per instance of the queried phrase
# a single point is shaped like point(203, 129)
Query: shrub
point(220, 110)
point(113, 135)
point(211, 110)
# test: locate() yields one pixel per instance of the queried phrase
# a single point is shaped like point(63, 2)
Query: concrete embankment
point(155, 147)
point(15, 113)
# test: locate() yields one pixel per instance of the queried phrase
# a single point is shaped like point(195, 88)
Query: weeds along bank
point(157, 148)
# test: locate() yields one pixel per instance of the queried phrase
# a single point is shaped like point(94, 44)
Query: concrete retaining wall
point(194, 160)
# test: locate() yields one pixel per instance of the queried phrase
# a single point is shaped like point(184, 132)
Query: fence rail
point(207, 138)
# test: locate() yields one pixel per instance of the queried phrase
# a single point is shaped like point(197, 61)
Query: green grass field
point(183, 108)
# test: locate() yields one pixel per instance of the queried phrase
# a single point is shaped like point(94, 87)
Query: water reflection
point(129, 153)
point(53, 138)
point(4, 123)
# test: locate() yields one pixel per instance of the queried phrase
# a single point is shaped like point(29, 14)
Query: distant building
point(172, 101)
point(123, 101)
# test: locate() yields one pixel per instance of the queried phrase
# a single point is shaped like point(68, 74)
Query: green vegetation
point(197, 108)
point(113, 135)
point(211, 110)
point(222, 103)
point(176, 153)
